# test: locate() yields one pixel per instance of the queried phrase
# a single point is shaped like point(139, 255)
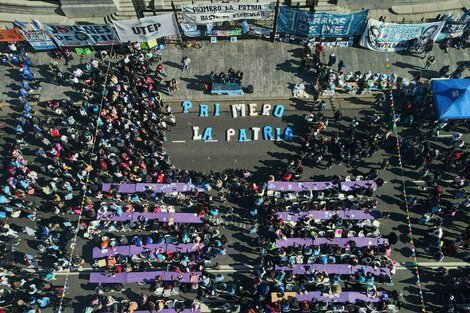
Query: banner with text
point(147, 28)
point(39, 40)
point(219, 12)
point(82, 35)
point(384, 37)
point(307, 24)
point(11, 35)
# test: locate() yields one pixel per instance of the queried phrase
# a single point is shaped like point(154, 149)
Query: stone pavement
point(272, 68)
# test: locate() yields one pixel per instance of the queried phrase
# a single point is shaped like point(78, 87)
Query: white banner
point(147, 28)
point(387, 37)
point(218, 12)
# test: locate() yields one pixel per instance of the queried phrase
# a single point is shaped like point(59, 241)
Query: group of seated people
point(295, 271)
point(354, 81)
point(231, 76)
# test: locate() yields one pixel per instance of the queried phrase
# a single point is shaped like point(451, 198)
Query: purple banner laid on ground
point(138, 277)
point(360, 241)
point(169, 311)
point(134, 250)
point(351, 297)
point(299, 186)
point(341, 269)
point(183, 218)
point(326, 215)
point(351, 185)
point(158, 188)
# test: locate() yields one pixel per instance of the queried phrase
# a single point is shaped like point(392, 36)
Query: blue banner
point(322, 24)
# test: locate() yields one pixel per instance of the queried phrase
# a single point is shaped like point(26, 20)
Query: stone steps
point(126, 12)
point(436, 7)
point(28, 7)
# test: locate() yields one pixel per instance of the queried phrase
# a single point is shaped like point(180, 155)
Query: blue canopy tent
point(452, 97)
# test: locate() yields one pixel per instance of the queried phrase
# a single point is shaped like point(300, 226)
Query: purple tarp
point(169, 311)
point(326, 215)
point(137, 277)
point(351, 185)
point(134, 250)
point(342, 269)
point(351, 297)
point(299, 186)
point(184, 218)
point(159, 188)
point(360, 241)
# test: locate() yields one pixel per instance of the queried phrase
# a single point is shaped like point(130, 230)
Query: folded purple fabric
point(341, 269)
point(326, 215)
point(360, 241)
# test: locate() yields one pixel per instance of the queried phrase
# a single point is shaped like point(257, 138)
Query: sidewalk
point(272, 68)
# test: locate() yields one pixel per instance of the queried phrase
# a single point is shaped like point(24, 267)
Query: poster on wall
point(13, 34)
point(39, 40)
point(307, 24)
point(147, 28)
point(387, 37)
point(82, 35)
point(219, 12)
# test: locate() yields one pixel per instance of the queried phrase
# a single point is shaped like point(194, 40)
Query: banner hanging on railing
point(82, 35)
point(387, 37)
point(38, 39)
point(307, 24)
point(13, 34)
point(219, 12)
point(147, 28)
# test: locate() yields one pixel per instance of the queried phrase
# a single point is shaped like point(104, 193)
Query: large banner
point(39, 40)
point(205, 13)
point(307, 24)
point(379, 36)
point(82, 35)
point(147, 28)
point(11, 35)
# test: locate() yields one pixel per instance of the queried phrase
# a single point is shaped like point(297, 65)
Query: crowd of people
point(116, 133)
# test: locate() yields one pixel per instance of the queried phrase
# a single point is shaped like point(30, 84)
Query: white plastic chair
point(348, 178)
point(158, 292)
point(359, 177)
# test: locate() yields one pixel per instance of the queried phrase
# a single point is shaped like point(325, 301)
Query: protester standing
point(430, 61)
point(341, 66)
point(186, 61)
point(331, 59)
